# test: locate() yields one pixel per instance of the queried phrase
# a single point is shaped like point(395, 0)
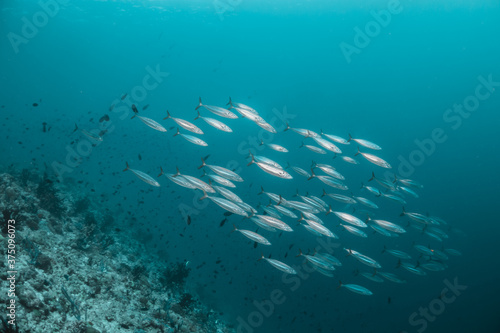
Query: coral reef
point(81, 273)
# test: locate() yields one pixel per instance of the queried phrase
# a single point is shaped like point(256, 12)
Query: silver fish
point(363, 259)
point(374, 159)
point(151, 123)
point(178, 179)
point(185, 124)
point(225, 204)
point(241, 106)
point(340, 198)
point(217, 110)
point(252, 236)
point(357, 289)
point(143, 176)
point(227, 194)
point(327, 145)
point(223, 172)
point(330, 181)
point(270, 169)
point(366, 202)
point(215, 123)
point(335, 138)
point(317, 150)
point(192, 139)
point(279, 265)
point(365, 143)
point(276, 147)
point(354, 230)
point(348, 218)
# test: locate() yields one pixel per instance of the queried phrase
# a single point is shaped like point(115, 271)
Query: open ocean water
point(95, 249)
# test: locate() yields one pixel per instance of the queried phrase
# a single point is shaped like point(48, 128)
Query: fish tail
point(321, 131)
point(374, 271)
point(296, 193)
point(261, 142)
point(204, 195)
point(329, 209)
point(403, 212)
point(204, 174)
point(253, 159)
point(161, 172)
point(261, 191)
point(230, 102)
point(340, 284)
point(234, 228)
point(399, 263)
point(350, 137)
point(178, 173)
point(261, 256)
point(334, 156)
point(301, 145)
point(281, 199)
point(199, 105)
point(395, 179)
point(202, 163)
point(270, 203)
point(383, 249)
point(300, 253)
point(312, 174)
point(178, 132)
point(301, 217)
point(358, 152)
point(287, 165)
point(373, 177)
point(199, 115)
point(324, 193)
point(313, 164)
point(126, 167)
point(168, 116)
point(287, 127)
point(76, 129)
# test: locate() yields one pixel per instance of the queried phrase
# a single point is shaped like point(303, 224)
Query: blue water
point(285, 60)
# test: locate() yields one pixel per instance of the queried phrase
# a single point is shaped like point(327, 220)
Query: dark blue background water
point(272, 56)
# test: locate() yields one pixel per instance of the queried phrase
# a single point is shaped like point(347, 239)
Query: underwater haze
point(392, 104)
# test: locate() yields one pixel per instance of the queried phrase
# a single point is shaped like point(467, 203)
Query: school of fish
point(326, 214)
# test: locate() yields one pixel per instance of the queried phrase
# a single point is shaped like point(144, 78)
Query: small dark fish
point(101, 133)
point(228, 213)
point(171, 128)
point(111, 107)
point(254, 245)
point(388, 300)
point(35, 104)
point(189, 220)
point(134, 108)
point(222, 222)
point(145, 107)
point(140, 158)
point(218, 261)
point(76, 129)
point(123, 97)
point(44, 127)
point(104, 118)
